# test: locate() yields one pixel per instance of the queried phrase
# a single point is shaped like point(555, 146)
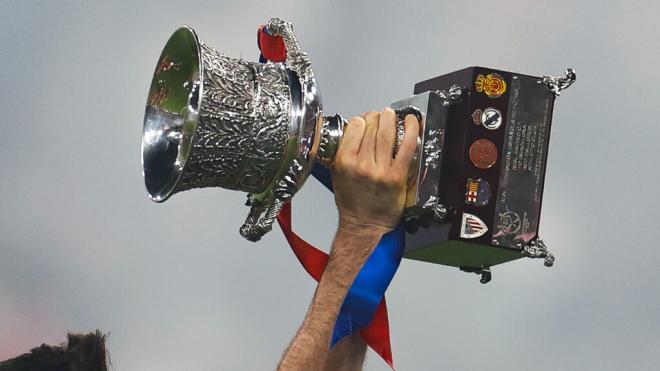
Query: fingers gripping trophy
point(474, 192)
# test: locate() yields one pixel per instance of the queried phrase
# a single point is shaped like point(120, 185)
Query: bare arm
point(309, 348)
point(347, 355)
point(370, 193)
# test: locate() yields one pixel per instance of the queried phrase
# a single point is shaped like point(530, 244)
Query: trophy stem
point(333, 130)
point(331, 133)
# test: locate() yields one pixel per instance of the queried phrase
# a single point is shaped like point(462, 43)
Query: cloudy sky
point(81, 246)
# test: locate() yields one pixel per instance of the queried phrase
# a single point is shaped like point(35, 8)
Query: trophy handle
point(296, 59)
point(263, 212)
point(260, 219)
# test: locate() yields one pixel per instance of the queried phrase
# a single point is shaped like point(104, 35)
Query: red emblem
point(483, 154)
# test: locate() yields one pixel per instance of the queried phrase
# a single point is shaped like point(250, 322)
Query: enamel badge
point(472, 226)
point(477, 192)
point(493, 85)
point(490, 118)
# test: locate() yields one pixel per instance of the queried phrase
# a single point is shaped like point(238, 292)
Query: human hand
point(370, 185)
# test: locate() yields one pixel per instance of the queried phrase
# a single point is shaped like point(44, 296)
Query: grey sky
point(81, 246)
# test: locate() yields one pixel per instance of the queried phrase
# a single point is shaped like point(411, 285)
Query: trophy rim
point(190, 117)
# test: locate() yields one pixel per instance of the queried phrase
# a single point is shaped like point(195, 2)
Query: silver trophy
point(216, 121)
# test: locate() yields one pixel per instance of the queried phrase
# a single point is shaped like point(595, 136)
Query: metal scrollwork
point(433, 148)
point(332, 131)
point(453, 95)
point(243, 128)
point(434, 206)
point(558, 83)
point(537, 249)
point(296, 58)
point(263, 213)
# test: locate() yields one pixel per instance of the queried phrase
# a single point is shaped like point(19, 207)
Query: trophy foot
point(486, 274)
point(537, 249)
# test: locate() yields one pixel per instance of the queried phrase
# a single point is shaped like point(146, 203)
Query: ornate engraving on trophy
point(243, 125)
point(525, 143)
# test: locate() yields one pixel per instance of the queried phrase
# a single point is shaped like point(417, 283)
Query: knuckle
point(379, 177)
point(396, 180)
point(363, 170)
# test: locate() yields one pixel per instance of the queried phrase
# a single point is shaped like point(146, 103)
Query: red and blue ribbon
point(364, 308)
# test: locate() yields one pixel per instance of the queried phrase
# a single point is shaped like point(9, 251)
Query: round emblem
point(483, 153)
point(491, 118)
point(493, 85)
point(509, 222)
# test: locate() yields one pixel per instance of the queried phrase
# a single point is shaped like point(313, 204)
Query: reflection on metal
point(213, 121)
point(559, 83)
point(433, 206)
point(433, 148)
point(453, 95)
point(331, 133)
point(537, 249)
point(262, 215)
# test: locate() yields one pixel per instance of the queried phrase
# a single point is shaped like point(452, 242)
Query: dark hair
point(83, 352)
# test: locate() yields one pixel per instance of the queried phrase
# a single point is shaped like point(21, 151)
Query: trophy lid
point(171, 114)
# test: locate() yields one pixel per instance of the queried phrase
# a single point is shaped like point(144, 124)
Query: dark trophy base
point(493, 169)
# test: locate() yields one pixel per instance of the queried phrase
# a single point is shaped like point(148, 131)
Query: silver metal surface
point(216, 121)
point(425, 184)
point(241, 137)
point(538, 250)
point(558, 83)
point(303, 136)
point(213, 121)
point(332, 131)
point(453, 95)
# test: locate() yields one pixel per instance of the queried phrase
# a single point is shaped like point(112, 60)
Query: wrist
point(354, 226)
point(351, 249)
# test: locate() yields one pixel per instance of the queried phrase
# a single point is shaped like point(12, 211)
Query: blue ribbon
point(370, 285)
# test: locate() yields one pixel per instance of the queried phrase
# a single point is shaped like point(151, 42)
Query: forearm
point(310, 347)
point(347, 355)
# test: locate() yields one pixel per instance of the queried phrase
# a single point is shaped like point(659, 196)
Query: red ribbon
point(377, 334)
point(272, 47)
